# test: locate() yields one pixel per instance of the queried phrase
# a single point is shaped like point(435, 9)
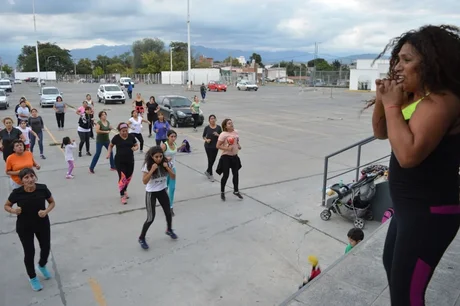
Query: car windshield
point(127, 80)
point(112, 88)
point(2, 93)
point(217, 83)
point(50, 91)
point(180, 102)
point(4, 83)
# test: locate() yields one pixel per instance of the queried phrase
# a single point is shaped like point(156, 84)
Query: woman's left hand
point(37, 166)
point(42, 213)
point(165, 165)
point(392, 93)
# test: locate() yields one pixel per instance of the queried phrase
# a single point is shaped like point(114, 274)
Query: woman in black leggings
point(32, 221)
point(152, 113)
point(84, 130)
point(210, 136)
point(155, 173)
point(124, 158)
point(417, 109)
point(229, 143)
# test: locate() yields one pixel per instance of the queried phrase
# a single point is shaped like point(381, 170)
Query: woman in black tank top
point(418, 110)
point(139, 104)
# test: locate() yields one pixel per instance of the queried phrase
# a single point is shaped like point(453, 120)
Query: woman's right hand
point(16, 211)
point(154, 167)
point(108, 156)
point(208, 140)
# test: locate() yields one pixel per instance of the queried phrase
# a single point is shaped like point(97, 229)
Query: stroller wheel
point(325, 215)
point(359, 223)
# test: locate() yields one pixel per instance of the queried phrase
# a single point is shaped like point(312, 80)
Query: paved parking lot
point(250, 252)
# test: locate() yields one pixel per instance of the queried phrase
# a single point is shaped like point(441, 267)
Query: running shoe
point(222, 196)
point(35, 284)
point(143, 244)
point(44, 271)
point(238, 194)
point(123, 200)
point(171, 234)
point(172, 212)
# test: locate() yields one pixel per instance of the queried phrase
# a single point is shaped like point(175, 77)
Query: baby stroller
point(353, 200)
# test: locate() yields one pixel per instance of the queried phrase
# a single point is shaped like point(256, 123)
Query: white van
point(124, 82)
point(5, 84)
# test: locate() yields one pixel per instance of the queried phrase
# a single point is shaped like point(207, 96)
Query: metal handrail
point(358, 144)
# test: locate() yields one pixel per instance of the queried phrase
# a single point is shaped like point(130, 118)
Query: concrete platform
point(250, 252)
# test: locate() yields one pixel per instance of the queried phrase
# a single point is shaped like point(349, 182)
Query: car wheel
point(225, 90)
point(173, 121)
point(200, 123)
point(103, 101)
point(239, 88)
point(256, 89)
point(98, 100)
point(123, 101)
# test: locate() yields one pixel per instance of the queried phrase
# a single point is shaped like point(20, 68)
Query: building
point(241, 60)
point(208, 60)
point(364, 75)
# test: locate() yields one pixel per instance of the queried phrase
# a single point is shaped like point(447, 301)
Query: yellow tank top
point(410, 109)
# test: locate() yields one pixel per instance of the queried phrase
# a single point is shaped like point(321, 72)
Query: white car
point(110, 93)
point(246, 85)
point(17, 81)
point(4, 103)
point(124, 82)
point(6, 85)
point(48, 96)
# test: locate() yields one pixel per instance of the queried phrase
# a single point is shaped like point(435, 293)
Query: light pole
point(36, 44)
point(188, 45)
point(104, 63)
point(170, 63)
point(46, 64)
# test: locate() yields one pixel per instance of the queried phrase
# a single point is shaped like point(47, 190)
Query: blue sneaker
point(171, 234)
point(35, 284)
point(44, 271)
point(143, 244)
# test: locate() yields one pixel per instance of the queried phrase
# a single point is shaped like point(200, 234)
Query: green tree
point(153, 62)
point(180, 56)
point(257, 58)
point(84, 66)
point(321, 64)
point(102, 61)
point(145, 46)
point(232, 61)
point(115, 68)
point(7, 69)
point(51, 58)
point(98, 71)
point(336, 65)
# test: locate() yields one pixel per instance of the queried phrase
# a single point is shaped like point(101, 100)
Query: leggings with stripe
point(417, 238)
point(150, 203)
point(125, 171)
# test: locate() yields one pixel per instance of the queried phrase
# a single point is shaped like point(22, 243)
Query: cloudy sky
point(341, 26)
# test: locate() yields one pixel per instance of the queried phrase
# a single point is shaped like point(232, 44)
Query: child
point(69, 146)
point(315, 270)
point(355, 236)
point(26, 131)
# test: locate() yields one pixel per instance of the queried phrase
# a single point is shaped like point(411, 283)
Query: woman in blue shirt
point(161, 128)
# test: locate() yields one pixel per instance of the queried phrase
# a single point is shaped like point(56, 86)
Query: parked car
point(246, 85)
point(176, 110)
point(110, 93)
point(6, 85)
point(4, 103)
point(124, 82)
point(217, 86)
point(48, 96)
point(17, 81)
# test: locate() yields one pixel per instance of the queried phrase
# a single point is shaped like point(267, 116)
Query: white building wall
point(44, 75)
point(275, 73)
point(367, 73)
point(199, 76)
point(174, 77)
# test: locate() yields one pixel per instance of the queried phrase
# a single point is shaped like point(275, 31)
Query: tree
point(102, 61)
point(98, 71)
point(153, 62)
point(180, 56)
point(51, 58)
point(232, 61)
point(7, 69)
point(336, 65)
point(84, 66)
point(115, 68)
point(257, 58)
point(321, 64)
point(145, 46)
point(203, 65)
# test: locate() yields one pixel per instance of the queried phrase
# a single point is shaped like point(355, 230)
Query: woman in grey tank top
point(60, 108)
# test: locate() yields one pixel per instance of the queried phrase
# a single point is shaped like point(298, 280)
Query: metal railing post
point(326, 165)
point(358, 162)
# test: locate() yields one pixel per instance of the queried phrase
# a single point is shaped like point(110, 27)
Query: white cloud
point(352, 26)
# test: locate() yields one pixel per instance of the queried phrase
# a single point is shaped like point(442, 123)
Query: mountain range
point(9, 56)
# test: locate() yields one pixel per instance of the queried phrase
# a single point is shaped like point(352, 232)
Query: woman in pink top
point(229, 143)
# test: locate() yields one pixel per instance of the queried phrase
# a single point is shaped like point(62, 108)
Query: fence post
point(358, 162)
point(326, 166)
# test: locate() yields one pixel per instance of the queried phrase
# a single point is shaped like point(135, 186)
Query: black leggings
point(212, 154)
point(151, 118)
point(140, 139)
point(160, 141)
point(125, 173)
point(26, 236)
point(150, 203)
point(229, 162)
point(84, 139)
point(417, 238)
point(195, 120)
point(60, 119)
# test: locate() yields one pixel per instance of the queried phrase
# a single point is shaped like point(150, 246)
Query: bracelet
point(393, 106)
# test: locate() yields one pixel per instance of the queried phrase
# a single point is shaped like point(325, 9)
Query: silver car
point(4, 103)
point(48, 96)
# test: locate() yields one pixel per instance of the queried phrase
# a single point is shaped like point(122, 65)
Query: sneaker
point(211, 178)
point(171, 234)
point(126, 195)
point(69, 177)
point(91, 171)
point(88, 154)
point(207, 174)
point(238, 194)
point(35, 284)
point(44, 271)
point(172, 212)
point(79, 154)
point(42, 156)
point(123, 200)
point(143, 244)
point(141, 151)
point(222, 196)
point(113, 169)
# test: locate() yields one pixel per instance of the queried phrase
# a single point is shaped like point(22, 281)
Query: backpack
point(388, 214)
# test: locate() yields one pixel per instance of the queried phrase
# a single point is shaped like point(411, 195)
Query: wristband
point(393, 106)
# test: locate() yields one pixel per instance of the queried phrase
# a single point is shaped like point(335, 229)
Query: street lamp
point(170, 63)
point(188, 43)
point(104, 63)
point(46, 64)
point(36, 44)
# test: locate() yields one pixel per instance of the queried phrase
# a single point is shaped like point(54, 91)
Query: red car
point(217, 86)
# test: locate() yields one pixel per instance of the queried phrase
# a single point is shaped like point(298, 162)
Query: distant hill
point(9, 56)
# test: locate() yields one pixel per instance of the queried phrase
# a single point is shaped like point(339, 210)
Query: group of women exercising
point(417, 108)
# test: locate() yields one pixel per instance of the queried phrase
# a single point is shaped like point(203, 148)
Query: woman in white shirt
point(23, 111)
point(155, 172)
point(26, 131)
point(135, 128)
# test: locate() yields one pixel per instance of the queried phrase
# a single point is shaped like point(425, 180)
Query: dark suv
point(176, 110)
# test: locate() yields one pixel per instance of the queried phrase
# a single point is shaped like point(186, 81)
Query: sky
point(340, 26)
